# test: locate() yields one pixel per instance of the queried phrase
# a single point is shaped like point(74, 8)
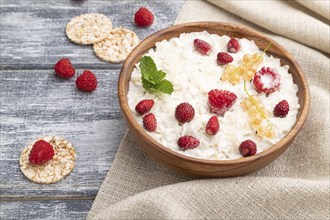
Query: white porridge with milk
point(249, 95)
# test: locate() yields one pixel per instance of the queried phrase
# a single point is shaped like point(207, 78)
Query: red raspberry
point(212, 126)
point(267, 80)
point(150, 122)
point(233, 45)
point(87, 81)
point(41, 152)
point(224, 58)
point(248, 148)
point(202, 46)
point(144, 106)
point(221, 101)
point(184, 113)
point(281, 109)
point(188, 142)
point(143, 17)
point(63, 68)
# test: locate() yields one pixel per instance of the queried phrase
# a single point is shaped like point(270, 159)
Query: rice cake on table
point(53, 170)
point(117, 46)
point(88, 28)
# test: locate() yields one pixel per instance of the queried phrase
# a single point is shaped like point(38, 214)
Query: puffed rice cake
point(53, 170)
point(117, 45)
point(88, 28)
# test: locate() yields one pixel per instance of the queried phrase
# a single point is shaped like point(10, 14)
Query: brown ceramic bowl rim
point(140, 130)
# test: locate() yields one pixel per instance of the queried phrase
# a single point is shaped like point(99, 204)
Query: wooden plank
point(33, 31)
point(37, 103)
point(57, 209)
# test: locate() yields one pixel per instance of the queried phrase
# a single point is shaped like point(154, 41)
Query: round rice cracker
point(54, 170)
point(117, 46)
point(88, 28)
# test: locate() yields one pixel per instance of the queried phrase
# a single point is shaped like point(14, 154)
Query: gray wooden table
point(34, 102)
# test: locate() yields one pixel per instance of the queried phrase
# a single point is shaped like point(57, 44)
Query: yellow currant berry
point(252, 110)
point(263, 113)
point(254, 99)
point(247, 58)
point(261, 106)
point(255, 121)
point(229, 69)
point(270, 133)
point(249, 75)
point(225, 77)
point(241, 70)
point(246, 104)
point(235, 79)
point(256, 56)
point(261, 131)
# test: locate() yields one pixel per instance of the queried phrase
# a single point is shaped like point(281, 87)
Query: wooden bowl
point(202, 167)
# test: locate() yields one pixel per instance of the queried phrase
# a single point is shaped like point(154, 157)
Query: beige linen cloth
point(295, 186)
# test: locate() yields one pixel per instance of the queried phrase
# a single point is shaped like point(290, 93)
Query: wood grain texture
point(49, 105)
point(202, 167)
point(35, 103)
point(46, 210)
point(33, 31)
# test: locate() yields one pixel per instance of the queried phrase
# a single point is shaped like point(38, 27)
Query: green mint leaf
point(158, 76)
point(148, 68)
point(147, 64)
point(147, 85)
point(148, 78)
point(153, 79)
point(165, 86)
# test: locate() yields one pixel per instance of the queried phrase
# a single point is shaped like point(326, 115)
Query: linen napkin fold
point(295, 186)
point(285, 18)
point(320, 7)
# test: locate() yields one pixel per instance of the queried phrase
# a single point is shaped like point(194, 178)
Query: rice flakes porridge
point(193, 75)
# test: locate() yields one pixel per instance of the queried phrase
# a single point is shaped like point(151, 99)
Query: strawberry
point(144, 106)
point(184, 112)
point(188, 142)
point(267, 80)
point(224, 58)
point(143, 17)
point(221, 101)
point(281, 109)
point(248, 148)
point(64, 69)
point(202, 46)
point(87, 81)
point(233, 46)
point(212, 126)
point(41, 152)
point(150, 122)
